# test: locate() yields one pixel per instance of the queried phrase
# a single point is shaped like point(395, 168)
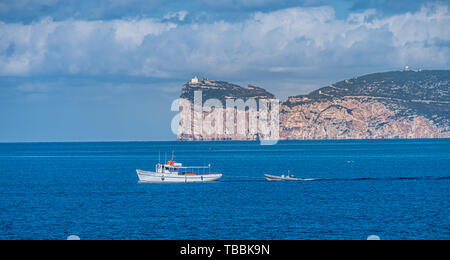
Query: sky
point(109, 70)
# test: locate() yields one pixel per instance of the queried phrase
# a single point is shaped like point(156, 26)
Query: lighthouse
point(194, 81)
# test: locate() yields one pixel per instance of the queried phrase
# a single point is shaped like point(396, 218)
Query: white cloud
point(68, 47)
point(180, 16)
point(295, 41)
point(131, 33)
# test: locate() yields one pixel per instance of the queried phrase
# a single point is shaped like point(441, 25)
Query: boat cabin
point(173, 167)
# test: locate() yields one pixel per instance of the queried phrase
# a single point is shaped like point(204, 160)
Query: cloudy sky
point(82, 70)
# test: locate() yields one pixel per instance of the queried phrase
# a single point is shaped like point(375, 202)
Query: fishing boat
point(173, 172)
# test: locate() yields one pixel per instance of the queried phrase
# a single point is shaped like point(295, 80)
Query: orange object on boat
point(171, 163)
point(190, 173)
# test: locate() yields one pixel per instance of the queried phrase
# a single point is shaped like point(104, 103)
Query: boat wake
point(403, 178)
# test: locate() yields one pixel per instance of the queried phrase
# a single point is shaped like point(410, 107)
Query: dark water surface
point(398, 189)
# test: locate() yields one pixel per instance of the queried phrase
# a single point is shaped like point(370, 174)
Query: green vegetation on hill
point(423, 93)
point(222, 90)
point(405, 85)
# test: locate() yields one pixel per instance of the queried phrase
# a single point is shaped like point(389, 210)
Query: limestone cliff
point(402, 104)
point(399, 104)
point(193, 123)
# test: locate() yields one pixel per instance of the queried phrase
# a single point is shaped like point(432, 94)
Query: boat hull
point(153, 177)
point(280, 178)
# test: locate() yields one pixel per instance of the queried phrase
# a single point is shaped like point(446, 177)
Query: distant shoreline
point(224, 141)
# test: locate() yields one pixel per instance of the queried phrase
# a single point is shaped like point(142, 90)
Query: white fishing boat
point(173, 172)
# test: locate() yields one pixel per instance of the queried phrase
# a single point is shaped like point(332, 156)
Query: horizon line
point(211, 141)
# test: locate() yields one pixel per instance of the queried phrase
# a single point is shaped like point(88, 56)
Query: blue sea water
point(395, 189)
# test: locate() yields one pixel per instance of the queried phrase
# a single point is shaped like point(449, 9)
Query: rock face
point(400, 104)
point(194, 124)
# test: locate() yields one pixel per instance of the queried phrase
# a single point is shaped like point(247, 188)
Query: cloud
point(258, 4)
point(392, 7)
point(28, 11)
point(74, 47)
point(33, 10)
point(131, 33)
point(180, 15)
point(292, 42)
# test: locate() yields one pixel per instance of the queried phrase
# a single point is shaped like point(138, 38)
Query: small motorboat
point(281, 178)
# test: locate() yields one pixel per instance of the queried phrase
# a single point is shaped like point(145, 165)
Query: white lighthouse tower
point(194, 81)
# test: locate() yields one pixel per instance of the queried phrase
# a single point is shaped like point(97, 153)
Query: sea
point(390, 189)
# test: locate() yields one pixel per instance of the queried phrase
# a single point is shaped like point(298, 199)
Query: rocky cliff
point(193, 123)
point(399, 104)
